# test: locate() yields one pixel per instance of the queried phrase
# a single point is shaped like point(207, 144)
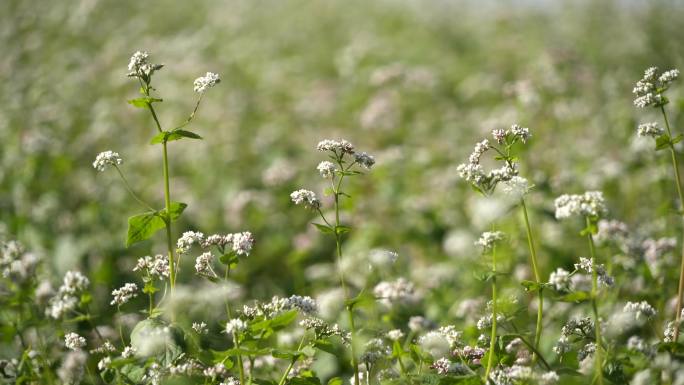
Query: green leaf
point(335, 381)
point(342, 229)
point(663, 141)
point(143, 226)
point(531, 285)
point(577, 296)
point(323, 228)
point(143, 102)
point(286, 354)
point(362, 299)
point(304, 381)
point(229, 259)
point(677, 138)
point(176, 209)
point(170, 136)
point(325, 346)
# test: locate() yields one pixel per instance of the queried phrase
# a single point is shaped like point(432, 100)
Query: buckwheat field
point(343, 192)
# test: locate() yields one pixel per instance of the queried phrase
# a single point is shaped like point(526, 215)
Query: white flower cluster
point(104, 363)
point(107, 158)
point(240, 243)
point(589, 204)
point(650, 129)
point(187, 368)
point(124, 294)
point(364, 159)
point(324, 329)
point(326, 169)
point(445, 367)
point(277, 305)
point(560, 279)
point(106, 348)
point(138, 59)
point(200, 327)
point(398, 292)
point(641, 310)
point(205, 82)
point(128, 352)
point(472, 354)
point(139, 66)
point(511, 135)
point(16, 263)
point(516, 187)
point(73, 341)
point(339, 147)
point(216, 370)
point(395, 334)
point(473, 172)
point(154, 267)
point(611, 231)
point(489, 238)
point(649, 89)
point(305, 197)
point(203, 264)
point(188, 239)
point(73, 285)
point(602, 274)
point(235, 325)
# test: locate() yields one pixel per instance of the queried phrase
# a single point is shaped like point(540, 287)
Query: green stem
point(675, 165)
point(535, 269)
point(130, 190)
point(167, 205)
point(594, 306)
point(338, 244)
point(241, 369)
point(292, 362)
point(492, 342)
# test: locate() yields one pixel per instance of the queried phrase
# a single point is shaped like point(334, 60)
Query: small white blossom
point(589, 204)
point(395, 334)
point(235, 325)
point(306, 198)
point(203, 264)
point(188, 239)
point(156, 267)
point(205, 82)
point(517, 186)
point(124, 294)
point(339, 147)
point(128, 352)
point(640, 309)
point(489, 238)
point(242, 242)
point(73, 341)
point(326, 169)
point(107, 158)
point(560, 279)
point(104, 363)
point(650, 129)
point(200, 327)
point(138, 60)
point(365, 160)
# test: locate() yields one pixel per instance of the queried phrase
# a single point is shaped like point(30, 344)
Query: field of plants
point(344, 192)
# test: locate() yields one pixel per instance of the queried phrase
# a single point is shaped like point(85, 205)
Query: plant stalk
point(594, 306)
point(537, 278)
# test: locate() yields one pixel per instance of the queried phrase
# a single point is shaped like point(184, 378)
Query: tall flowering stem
point(537, 278)
point(594, 304)
point(649, 92)
point(344, 158)
point(678, 183)
point(488, 240)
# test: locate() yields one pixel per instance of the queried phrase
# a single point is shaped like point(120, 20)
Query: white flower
point(157, 266)
point(74, 283)
point(138, 60)
point(107, 158)
point(365, 160)
point(73, 341)
point(516, 186)
point(521, 133)
point(231, 381)
point(589, 204)
point(650, 129)
point(203, 264)
point(640, 309)
point(560, 279)
point(400, 291)
point(235, 325)
point(205, 82)
point(649, 89)
point(395, 334)
point(489, 238)
point(305, 197)
point(128, 352)
point(326, 169)
point(242, 242)
point(104, 363)
point(188, 239)
point(124, 294)
point(339, 147)
point(669, 76)
point(200, 328)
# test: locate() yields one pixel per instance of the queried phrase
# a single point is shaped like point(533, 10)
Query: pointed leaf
point(143, 226)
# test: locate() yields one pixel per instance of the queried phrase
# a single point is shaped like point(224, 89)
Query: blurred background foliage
point(415, 83)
